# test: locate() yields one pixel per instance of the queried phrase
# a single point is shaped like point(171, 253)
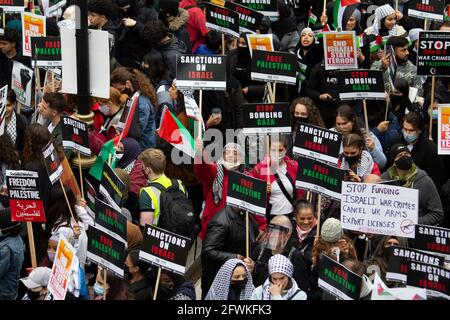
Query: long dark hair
point(314, 116)
point(8, 154)
point(157, 70)
point(347, 112)
point(139, 81)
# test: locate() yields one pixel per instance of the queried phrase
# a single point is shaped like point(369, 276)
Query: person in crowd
point(176, 19)
point(15, 124)
point(10, 51)
point(173, 286)
point(114, 288)
point(196, 25)
point(284, 27)
point(366, 284)
point(385, 23)
point(232, 282)
point(127, 154)
point(137, 277)
point(36, 284)
point(9, 160)
point(413, 36)
point(445, 199)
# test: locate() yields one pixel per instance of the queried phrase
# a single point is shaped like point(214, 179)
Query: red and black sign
point(358, 84)
point(12, 5)
point(75, 135)
point(46, 51)
point(91, 194)
point(54, 168)
point(266, 7)
point(111, 187)
point(433, 239)
point(249, 20)
point(263, 118)
point(24, 196)
point(433, 54)
point(427, 9)
point(433, 278)
point(222, 19)
point(201, 72)
point(113, 221)
point(274, 66)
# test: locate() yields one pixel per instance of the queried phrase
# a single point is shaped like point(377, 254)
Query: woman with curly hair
point(304, 110)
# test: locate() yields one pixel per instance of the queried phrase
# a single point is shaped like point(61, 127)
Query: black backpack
point(176, 213)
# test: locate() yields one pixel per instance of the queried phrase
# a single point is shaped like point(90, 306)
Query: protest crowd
point(303, 146)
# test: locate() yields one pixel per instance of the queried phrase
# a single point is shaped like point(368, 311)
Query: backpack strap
point(295, 293)
point(283, 189)
point(155, 200)
point(291, 253)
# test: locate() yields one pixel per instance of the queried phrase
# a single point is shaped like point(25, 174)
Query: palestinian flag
point(376, 44)
point(318, 32)
point(312, 18)
point(447, 13)
point(338, 11)
point(360, 40)
point(107, 154)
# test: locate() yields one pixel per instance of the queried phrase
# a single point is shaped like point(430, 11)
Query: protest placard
point(201, 72)
point(436, 280)
point(340, 50)
point(433, 240)
point(433, 53)
point(246, 193)
point(52, 163)
point(338, 280)
point(317, 176)
point(222, 19)
point(24, 196)
point(379, 209)
point(91, 194)
point(128, 110)
point(249, 20)
point(444, 129)
point(268, 8)
point(21, 82)
point(381, 291)
point(165, 249)
point(280, 67)
point(263, 42)
point(317, 143)
point(46, 51)
point(357, 84)
point(75, 135)
point(111, 187)
point(106, 250)
point(266, 118)
point(65, 259)
point(32, 26)
point(3, 101)
point(427, 9)
point(110, 221)
point(398, 258)
point(12, 5)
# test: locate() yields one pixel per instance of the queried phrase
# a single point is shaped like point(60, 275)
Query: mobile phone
point(216, 112)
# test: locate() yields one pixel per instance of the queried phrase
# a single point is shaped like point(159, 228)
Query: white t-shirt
point(281, 205)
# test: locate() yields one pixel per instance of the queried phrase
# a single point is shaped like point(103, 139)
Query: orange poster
point(32, 26)
point(444, 129)
point(260, 42)
point(340, 50)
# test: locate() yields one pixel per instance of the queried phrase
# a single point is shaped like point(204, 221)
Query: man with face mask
point(406, 172)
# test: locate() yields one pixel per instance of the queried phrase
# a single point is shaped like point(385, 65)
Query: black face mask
point(404, 163)
point(299, 120)
point(164, 290)
point(128, 92)
point(352, 160)
point(395, 99)
point(243, 53)
point(238, 285)
point(33, 295)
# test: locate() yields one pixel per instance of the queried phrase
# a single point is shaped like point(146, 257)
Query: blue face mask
point(51, 255)
point(410, 138)
point(98, 289)
point(435, 114)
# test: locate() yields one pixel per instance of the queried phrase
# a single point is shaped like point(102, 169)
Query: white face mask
point(104, 108)
point(230, 166)
point(277, 156)
point(119, 156)
point(435, 113)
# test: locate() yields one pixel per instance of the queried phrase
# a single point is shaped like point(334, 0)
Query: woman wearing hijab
point(385, 23)
point(232, 282)
point(351, 21)
point(127, 154)
point(15, 124)
point(173, 286)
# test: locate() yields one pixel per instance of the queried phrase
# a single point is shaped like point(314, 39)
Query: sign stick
point(155, 294)
point(268, 159)
point(319, 203)
point(4, 18)
point(19, 107)
point(53, 81)
point(274, 92)
point(387, 109)
point(396, 5)
point(105, 276)
point(200, 102)
point(308, 196)
point(223, 43)
point(366, 250)
point(32, 247)
point(324, 7)
point(365, 116)
point(67, 199)
point(270, 97)
point(109, 159)
point(430, 130)
point(425, 24)
point(81, 176)
point(247, 248)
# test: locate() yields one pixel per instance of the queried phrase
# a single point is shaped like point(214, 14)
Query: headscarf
point(300, 40)
point(186, 92)
point(381, 13)
point(131, 150)
point(221, 285)
point(134, 236)
point(365, 165)
point(352, 11)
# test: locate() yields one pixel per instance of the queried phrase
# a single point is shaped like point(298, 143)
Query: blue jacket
point(203, 49)
point(147, 122)
point(392, 135)
point(11, 259)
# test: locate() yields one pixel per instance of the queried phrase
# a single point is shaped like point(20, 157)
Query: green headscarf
point(408, 179)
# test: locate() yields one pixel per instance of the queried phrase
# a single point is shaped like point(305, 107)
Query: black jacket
point(21, 126)
point(306, 246)
point(169, 50)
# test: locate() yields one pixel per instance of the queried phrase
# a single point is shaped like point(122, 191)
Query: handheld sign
point(398, 262)
point(24, 196)
point(340, 50)
point(317, 176)
point(268, 8)
point(128, 111)
point(433, 240)
point(62, 266)
point(75, 135)
point(3, 101)
point(436, 280)
point(249, 20)
point(91, 194)
point(433, 54)
point(247, 193)
point(33, 26)
point(111, 187)
point(54, 168)
point(427, 9)
point(379, 209)
point(106, 250)
point(21, 81)
point(165, 249)
point(46, 51)
point(12, 5)
point(317, 143)
point(444, 129)
point(368, 84)
point(201, 72)
point(338, 280)
point(110, 221)
point(262, 42)
point(381, 292)
point(222, 19)
point(280, 67)
point(263, 118)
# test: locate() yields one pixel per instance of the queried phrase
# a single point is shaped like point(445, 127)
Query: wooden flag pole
point(109, 159)
point(430, 130)
point(105, 277)
point(365, 116)
point(31, 243)
point(81, 176)
point(155, 294)
point(19, 107)
point(67, 199)
point(247, 244)
point(200, 103)
point(324, 7)
point(319, 204)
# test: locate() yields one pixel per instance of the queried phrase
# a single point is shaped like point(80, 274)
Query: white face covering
point(277, 156)
point(230, 166)
point(104, 108)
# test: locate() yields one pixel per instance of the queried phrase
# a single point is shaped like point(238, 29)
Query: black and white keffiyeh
point(365, 165)
point(11, 128)
point(280, 264)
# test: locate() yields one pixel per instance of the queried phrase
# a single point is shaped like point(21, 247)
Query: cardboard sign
point(444, 129)
point(75, 135)
point(24, 196)
point(276, 66)
point(54, 168)
point(62, 267)
point(338, 280)
point(247, 193)
point(340, 50)
point(433, 53)
point(222, 19)
point(129, 106)
point(165, 249)
point(266, 118)
point(201, 72)
point(398, 262)
point(434, 240)
point(367, 84)
point(318, 176)
point(12, 5)
point(91, 194)
point(106, 250)
point(249, 20)
point(317, 143)
point(427, 9)
point(263, 42)
point(46, 51)
point(21, 80)
point(111, 187)
point(268, 8)
point(436, 280)
point(33, 26)
point(110, 221)
point(3, 102)
point(379, 209)
point(381, 292)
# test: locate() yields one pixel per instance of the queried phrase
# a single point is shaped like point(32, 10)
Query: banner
point(434, 240)
point(32, 26)
point(317, 143)
point(222, 19)
point(62, 266)
point(318, 176)
point(340, 50)
point(75, 135)
point(249, 20)
point(46, 51)
point(266, 118)
point(201, 72)
point(427, 9)
point(106, 250)
point(111, 187)
point(338, 280)
point(3, 102)
point(110, 221)
point(444, 129)
point(274, 66)
point(165, 249)
point(379, 209)
point(54, 168)
point(91, 194)
point(436, 280)
point(263, 42)
point(247, 193)
point(21, 83)
point(397, 268)
point(131, 104)
point(433, 53)
point(24, 196)
point(12, 5)
point(268, 8)
point(368, 84)
point(381, 292)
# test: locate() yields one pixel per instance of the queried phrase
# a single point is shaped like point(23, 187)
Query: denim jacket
point(11, 259)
